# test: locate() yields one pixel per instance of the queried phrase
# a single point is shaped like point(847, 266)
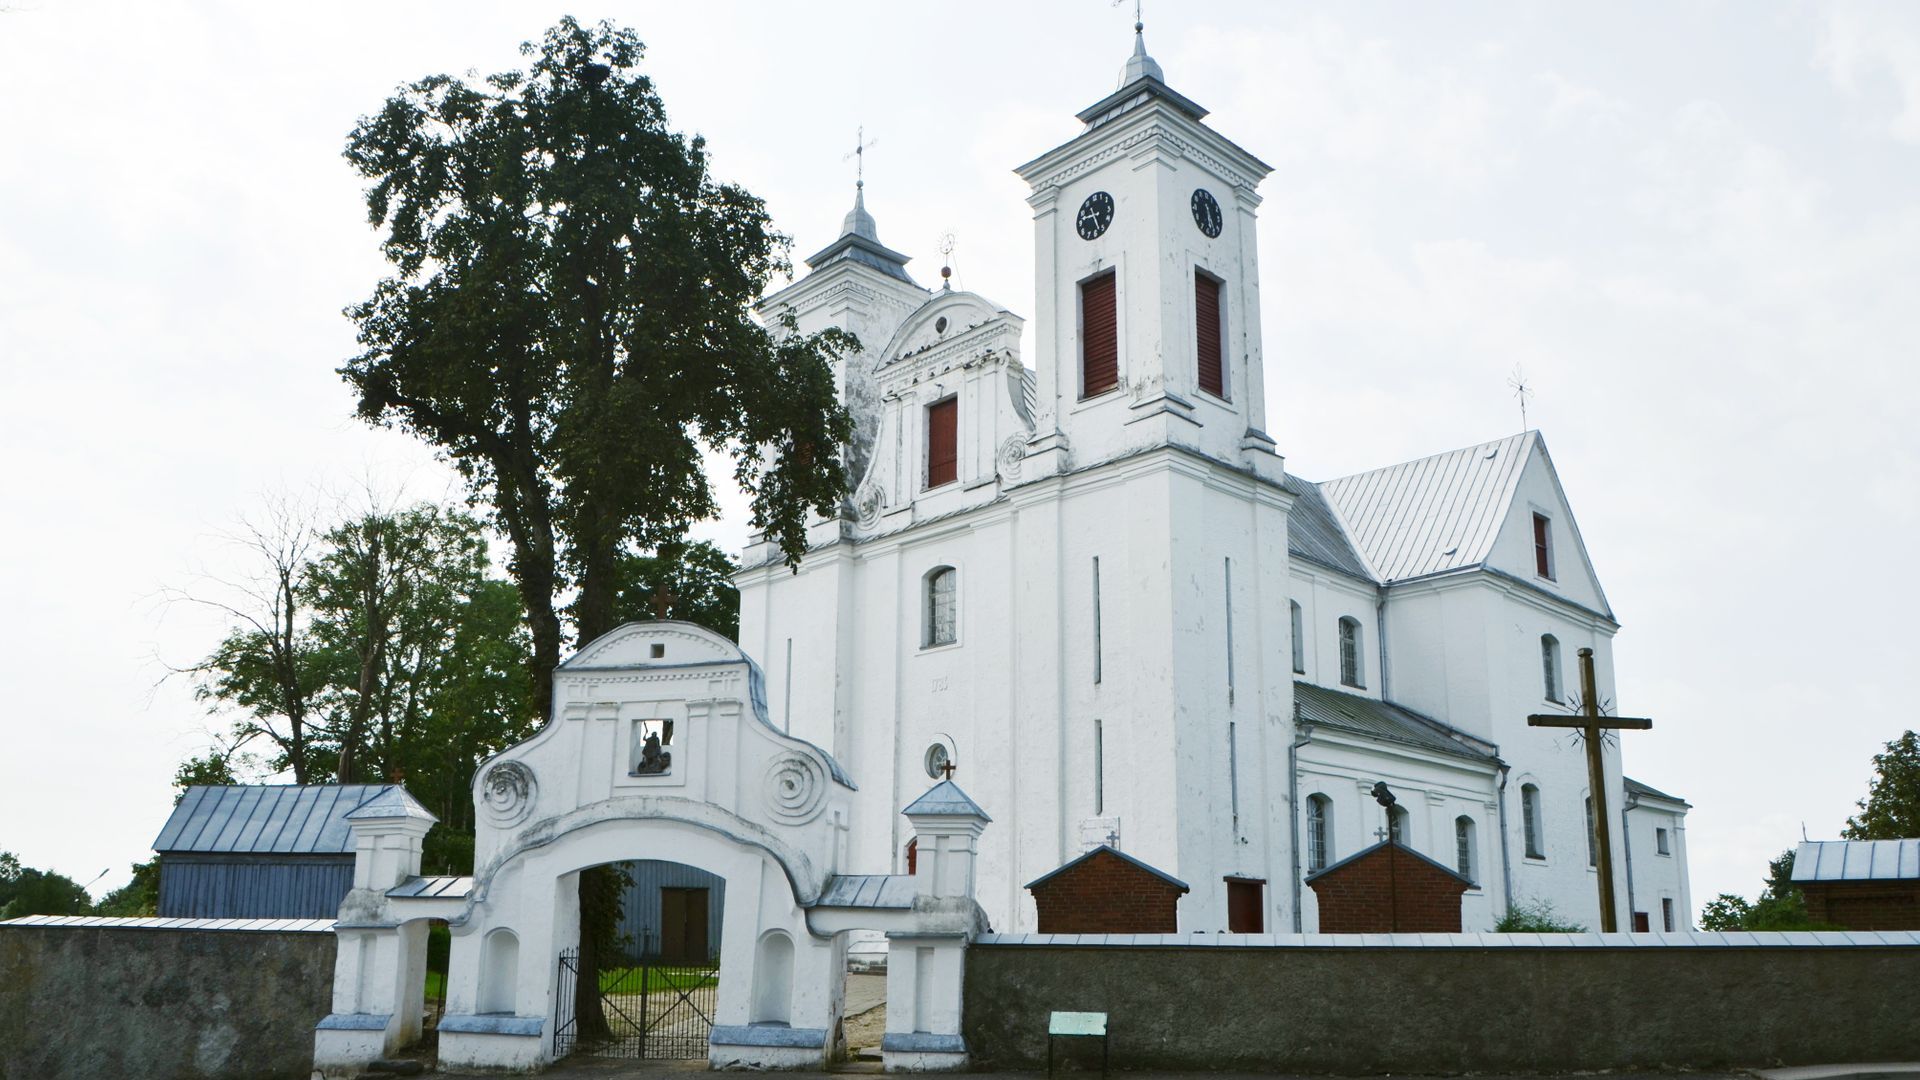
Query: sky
point(1692, 225)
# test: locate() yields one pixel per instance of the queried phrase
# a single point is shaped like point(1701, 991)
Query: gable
point(1432, 515)
point(1538, 491)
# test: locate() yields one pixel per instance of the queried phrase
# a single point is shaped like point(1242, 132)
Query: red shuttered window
point(1099, 337)
point(943, 450)
point(1206, 316)
point(1542, 547)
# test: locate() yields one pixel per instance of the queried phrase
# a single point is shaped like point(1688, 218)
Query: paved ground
point(682, 1070)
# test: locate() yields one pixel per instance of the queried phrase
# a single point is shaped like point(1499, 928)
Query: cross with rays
point(1522, 389)
point(861, 144)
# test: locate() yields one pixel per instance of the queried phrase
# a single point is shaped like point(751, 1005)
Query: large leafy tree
point(569, 321)
point(690, 581)
point(1891, 810)
point(1781, 906)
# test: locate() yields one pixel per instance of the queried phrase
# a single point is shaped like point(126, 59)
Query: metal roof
point(265, 818)
point(1431, 515)
point(1377, 719)
point(1857, 860)
point(1647, 791)
point(392, 802)
point(1116, 852)
point(890, 891)
point(150, 922)
point(1314, 534)
point(946, 798)
point(433, 888)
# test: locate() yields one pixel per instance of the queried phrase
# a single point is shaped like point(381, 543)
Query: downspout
point(1380, 635)
point(1303, 735)
point(1626, 844)
point(1506, 859)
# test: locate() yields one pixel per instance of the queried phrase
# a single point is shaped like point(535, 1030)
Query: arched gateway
point(659, 748)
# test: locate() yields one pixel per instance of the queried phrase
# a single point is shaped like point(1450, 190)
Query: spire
point(858, 222)
point(1140, 65)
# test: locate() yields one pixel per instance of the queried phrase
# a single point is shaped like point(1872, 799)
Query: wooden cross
point(947, 768)
point(663, 599)
point(1590, 723)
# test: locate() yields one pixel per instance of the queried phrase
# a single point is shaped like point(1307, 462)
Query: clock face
point(1095, 215)
point(1206, 212)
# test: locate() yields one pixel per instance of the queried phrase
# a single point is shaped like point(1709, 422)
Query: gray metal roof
point(1116, 852)
point(150, 922)
point(1314, 534)
point(391, 802)
point(265, 818)
point(433, 888)
point(1648, 791)
point(859, 241)
point(946, 798)
point(1384, 720)
point(889, 891)
point(1857, 860)
point(1435, 514)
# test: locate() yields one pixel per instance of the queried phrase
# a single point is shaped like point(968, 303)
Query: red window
point(1244, 907)
point(1206, 314)
point(943, 453)
point(913, 855)
point(1099, 337)
point(1542, 547)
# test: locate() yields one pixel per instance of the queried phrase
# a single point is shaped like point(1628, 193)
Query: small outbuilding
point(259, 851)
point(1107, 891)
point(1386, 889)
point(1860, 884)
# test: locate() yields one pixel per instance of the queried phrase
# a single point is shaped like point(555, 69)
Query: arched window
point(1299, 642)
point(1550, 666)
point(500, 973)
point(1350, 668)
point(1319, 832)
point(1400, 822)
point(1463, 847)
point(1530, 821)
point(1593, 850)
point(773, 980)
point(942, 622)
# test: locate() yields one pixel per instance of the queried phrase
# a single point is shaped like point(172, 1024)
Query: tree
point(1537, 917)
point(1781, 906)
point(690, 581)
point(570, 323)
point(140, 896)
point(1891, 810)
point(25, 891)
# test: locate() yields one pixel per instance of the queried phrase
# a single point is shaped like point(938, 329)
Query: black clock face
point(1206, 212)
point(1095, 215)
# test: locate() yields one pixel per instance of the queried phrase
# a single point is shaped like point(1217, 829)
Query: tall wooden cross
point(1590, 723)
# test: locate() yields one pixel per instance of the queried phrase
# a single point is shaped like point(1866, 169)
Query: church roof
point(1314, 534)
point(1857, 860)
point(1384, 720)
point(1648, 791)
point(859, 241)
point(1434, 514)
point(302, 819)
point(946, 798)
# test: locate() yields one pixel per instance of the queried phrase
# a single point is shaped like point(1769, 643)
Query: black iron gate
point(653, 1007)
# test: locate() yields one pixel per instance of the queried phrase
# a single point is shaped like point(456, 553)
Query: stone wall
point(123, 998)
point(1411, 1004)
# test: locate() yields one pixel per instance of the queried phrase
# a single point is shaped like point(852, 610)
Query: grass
point(658, 979)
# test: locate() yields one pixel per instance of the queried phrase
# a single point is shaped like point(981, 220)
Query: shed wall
point(253, 886)
point(640, 914)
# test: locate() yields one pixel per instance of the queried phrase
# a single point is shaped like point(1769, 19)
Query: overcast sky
point(1693, 224)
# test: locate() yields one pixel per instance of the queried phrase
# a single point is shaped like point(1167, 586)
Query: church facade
point(1086, 582)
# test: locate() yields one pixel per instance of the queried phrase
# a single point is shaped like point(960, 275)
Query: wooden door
point(1245, 908)
point(683, 925)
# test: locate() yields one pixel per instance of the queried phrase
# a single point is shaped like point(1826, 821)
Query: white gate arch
point(659, 747)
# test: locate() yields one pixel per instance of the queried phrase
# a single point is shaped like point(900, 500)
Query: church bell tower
point(1147, 283)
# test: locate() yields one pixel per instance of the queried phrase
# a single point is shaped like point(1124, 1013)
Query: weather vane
point(1137, 24)
point(861, 144)
point(1522, 389)
point(947, 244)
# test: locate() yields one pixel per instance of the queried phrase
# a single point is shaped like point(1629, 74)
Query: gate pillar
point(926, 965)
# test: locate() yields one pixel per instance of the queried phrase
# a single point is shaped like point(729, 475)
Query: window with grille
point(1666, 913)
point(1319, 811)
point(1550, 666)
point(1208, 330)
point(943, 442)
point(1099, 336)
point(1530, 821)
point(1350, 666)
point(1463, 847)
point(1542, 547)
point(1299, 642)
point(941, 617)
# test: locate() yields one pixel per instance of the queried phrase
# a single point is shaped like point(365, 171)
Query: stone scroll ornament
point(796, 788)
point(507, 793)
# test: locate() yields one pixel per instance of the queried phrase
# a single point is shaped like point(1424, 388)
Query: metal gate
point(653, 1007)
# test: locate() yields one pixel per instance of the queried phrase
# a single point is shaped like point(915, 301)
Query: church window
point(1399, 824)
point(1542, 547)
point(1463, 847)
point(1350, 666)
point(1550, 666)
point(1661, 845)
point(1319, 825)
point(1666, 913)
point(943, 437)
point(1530, 820)
point(1299, 641)
point(1209, 328)
point(913, 856)
point(1593, 850)
point(1099, 336)
point(1244, 906)
point(941, 628)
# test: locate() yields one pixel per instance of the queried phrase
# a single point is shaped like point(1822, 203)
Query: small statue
point(653, 759)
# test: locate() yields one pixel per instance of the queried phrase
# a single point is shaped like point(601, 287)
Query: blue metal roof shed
point(260, 851)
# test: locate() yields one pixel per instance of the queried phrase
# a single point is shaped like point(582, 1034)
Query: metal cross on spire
point(861, 144)
point(1138, 26)
point(1522, 389)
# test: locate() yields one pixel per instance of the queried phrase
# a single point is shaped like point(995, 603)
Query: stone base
point(506, 1043)
point(345, 1043)
point(766, 1046)
point(922, 1052)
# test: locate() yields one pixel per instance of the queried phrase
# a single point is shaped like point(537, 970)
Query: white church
point(1085, 580)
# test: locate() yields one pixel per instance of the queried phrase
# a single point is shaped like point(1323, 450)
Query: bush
point(1535, 917)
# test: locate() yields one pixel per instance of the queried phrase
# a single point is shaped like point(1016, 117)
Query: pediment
point(654, 644)
point(947, 319)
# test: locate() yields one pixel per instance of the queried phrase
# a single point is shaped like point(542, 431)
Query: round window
point(937, 759)
point(940, 325)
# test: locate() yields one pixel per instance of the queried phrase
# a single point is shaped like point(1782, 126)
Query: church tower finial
point(1139, 65)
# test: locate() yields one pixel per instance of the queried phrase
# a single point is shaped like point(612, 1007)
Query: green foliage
point(1535, 917)
point(140, 896)
point(1891, 810)
point(690, 581)
point(25, 891)
point(213, 768)
point(1781, 906)
point(569, 322)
